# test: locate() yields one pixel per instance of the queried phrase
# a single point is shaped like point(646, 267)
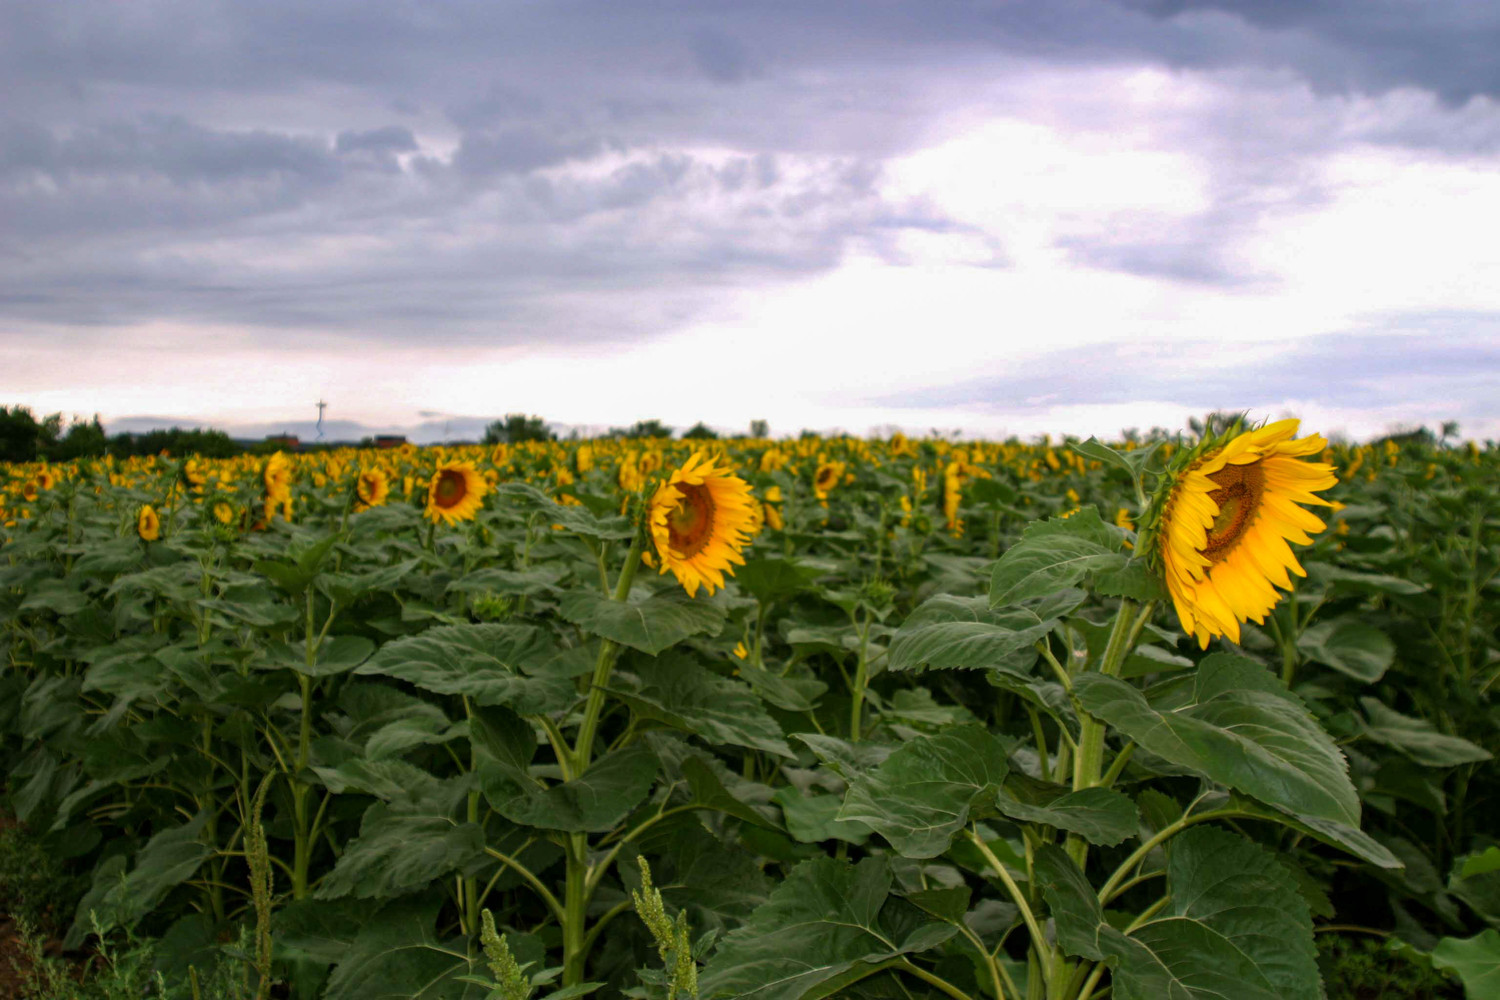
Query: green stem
point(1088, 764)
point(1112, 886)
point(578, 886)
point(1038, 939)
point(583, 749)
point(575, 907)
point(861, 679)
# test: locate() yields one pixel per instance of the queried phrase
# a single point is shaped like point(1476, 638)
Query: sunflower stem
point(1088, 764)
point(583, 749)
point(577, 878)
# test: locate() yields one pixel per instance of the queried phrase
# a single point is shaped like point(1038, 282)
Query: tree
point(177, 442)
point(760, 429)
point(517, 427)
point(701, 431)
point(85, 439)
point(18, 434)
point(642, 429)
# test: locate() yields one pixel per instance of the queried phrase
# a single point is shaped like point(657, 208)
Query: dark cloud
point(384, 167)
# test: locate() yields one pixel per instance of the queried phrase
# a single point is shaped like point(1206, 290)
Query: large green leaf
point(1349, 646)
point(826, 919)
point(1243, 730)
point(1476, 960)
point(682, 693)
point(402, 848)
point(492, 664)
point(922, 794)
point(814, 818)
point(962, 632)
point(1178, 958)
point(1476, 880)
point(1055, 554)
point(169, 858)
point(387, 779)
point(1244, 893)
point(605, 794)
point(771, 578)
point(1098, 815)
point(1417, 738)
point(650, 624)
point(398, 955)
point(575, 519)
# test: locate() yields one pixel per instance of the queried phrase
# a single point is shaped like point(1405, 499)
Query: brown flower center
point(1238, 496)
point(451, 488)
point(691, 523)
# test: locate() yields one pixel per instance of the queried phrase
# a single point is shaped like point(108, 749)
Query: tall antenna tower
point(321, 407)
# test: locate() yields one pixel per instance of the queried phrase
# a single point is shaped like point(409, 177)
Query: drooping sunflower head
point(147, 524)
point(1223, 520)
point(277, 478)
point(827, 477)
point(455, 493)
point(372, 487)
point(700, 519)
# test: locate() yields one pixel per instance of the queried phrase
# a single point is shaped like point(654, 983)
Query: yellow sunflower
point(772, 509)
point(147, 524)
point(826, 478)
point(1223, 530)
point(455, 493)
point(223, 512)
point(277, 477)
point(700, 519)
point(372, 487)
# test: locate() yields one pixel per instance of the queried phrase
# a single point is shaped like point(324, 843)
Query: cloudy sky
point(1005, 216)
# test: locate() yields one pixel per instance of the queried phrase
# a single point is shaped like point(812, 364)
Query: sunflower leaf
point(1098, 815)
point(575, 519)
point(964, 633)
point(492, 664)
point(650, 625)
point(829, 917)
point(1235, 928)
point(1053, 555)
point(1244, 730)
point(682, 693)
point(920, 796)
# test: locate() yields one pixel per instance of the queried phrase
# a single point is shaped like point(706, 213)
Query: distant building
point(390, 440)
point(290, 442)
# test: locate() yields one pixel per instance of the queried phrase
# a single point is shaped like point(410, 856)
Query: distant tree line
point(24, 438)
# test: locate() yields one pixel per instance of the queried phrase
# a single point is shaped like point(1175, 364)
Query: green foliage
point(359, 754)
point(517, 427)
point(1365, 968)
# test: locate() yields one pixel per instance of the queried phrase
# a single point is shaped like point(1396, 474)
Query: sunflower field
point(831, 717)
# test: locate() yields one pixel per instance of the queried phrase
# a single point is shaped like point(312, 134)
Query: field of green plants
point(887, 719)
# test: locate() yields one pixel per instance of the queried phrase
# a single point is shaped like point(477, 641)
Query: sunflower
point(277, 477)
point(700, 520)
point(223, 512)
point(827, 477)
point(455, 493)
point(372, 487)
point(147, 524)
point(771, 508)
point(1224, 526)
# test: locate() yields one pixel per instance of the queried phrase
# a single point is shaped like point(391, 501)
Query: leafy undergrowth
point(1366, 968)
